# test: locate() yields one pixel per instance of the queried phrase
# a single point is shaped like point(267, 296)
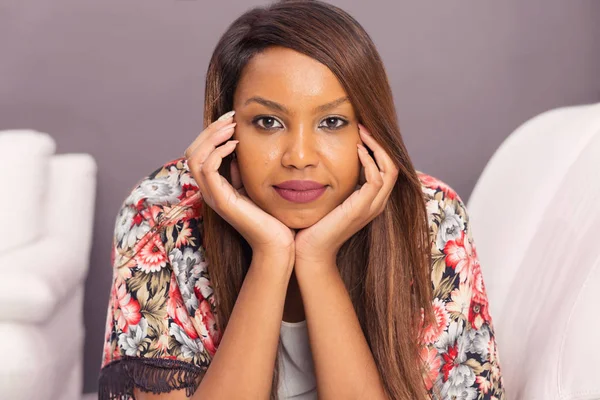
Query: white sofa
point(535, 213)
point(46, 218)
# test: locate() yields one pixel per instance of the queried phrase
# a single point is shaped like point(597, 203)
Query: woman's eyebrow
point(279, 107)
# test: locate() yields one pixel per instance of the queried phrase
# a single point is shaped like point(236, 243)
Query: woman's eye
point(334, 123)
point(268, 123)
point(271, 123)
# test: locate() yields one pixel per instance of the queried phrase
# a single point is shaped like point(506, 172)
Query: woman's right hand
point(264, 233)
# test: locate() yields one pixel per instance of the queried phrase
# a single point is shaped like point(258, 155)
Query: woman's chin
point(298, 220)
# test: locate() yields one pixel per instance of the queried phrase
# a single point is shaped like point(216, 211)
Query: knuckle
point(355, 217)
point(202, 153)
point(202, 168)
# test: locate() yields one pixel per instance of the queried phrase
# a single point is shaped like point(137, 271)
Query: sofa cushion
point(37, 278)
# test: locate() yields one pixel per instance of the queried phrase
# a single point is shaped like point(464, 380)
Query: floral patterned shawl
point(160, 328)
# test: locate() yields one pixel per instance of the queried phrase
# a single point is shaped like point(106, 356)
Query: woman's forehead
point(289, 78)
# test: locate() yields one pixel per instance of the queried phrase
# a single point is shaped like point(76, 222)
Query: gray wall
point(123, 80)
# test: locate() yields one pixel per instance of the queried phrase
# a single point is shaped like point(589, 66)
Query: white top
point(297, 374)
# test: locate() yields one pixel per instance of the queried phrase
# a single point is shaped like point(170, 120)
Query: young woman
point(294, 249)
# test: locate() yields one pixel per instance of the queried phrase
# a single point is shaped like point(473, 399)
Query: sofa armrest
point(24, 164)
point(35, 279)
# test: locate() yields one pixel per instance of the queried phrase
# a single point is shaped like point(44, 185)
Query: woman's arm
point(242, 367)
point(460, 347)
point(344, 365)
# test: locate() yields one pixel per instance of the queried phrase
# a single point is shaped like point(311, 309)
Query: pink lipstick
point(300, 191)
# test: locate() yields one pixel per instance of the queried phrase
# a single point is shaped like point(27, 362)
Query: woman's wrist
point(274, 261)
point(308, 269)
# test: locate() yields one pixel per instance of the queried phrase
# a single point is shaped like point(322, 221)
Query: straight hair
point(385, 266)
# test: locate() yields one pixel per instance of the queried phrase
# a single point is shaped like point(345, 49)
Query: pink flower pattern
point(162, 305)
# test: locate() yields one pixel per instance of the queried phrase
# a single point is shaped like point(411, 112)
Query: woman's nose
point(300, 148)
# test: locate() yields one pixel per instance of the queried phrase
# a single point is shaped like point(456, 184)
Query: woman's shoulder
point(166, 197)
point(435, 188)
point(160, 314)
point(449, 227)
point(462, 334)
point(441, 200)
point(165, 193)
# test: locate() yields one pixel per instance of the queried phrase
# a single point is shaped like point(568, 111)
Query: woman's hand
point(322, 241)
point(263, 232)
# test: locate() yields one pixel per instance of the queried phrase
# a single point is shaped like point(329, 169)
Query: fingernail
point(227, 115)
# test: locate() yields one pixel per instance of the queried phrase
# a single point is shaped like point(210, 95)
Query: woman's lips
point(300, 191)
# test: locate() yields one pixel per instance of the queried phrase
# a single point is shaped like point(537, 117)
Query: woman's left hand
point(321, 242)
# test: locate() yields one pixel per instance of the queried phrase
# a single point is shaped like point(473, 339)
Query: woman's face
point(294, 123)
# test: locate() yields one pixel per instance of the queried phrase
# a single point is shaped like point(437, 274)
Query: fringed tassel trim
point(155, 375)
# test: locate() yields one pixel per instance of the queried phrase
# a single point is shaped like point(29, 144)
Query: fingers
point(210, 167)
point(374, 179)
point(380, 176)
point(209, 140)
point(203, 146)
point(236, 179)
point(221, 196)
point(222, 123)
point(228, 202)
point(362, 178)
point(383, 160)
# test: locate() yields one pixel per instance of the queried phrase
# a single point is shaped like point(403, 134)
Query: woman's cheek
point(247, 174)
point(348, 176)
point(253, 174)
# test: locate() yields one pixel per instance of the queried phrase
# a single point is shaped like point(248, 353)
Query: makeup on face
point(298, 132)
point(300, 191)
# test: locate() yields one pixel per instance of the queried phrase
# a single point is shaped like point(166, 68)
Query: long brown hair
point(385, 266)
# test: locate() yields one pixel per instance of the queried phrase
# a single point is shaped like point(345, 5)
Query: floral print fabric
point(160, 328)
point(460, 347)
